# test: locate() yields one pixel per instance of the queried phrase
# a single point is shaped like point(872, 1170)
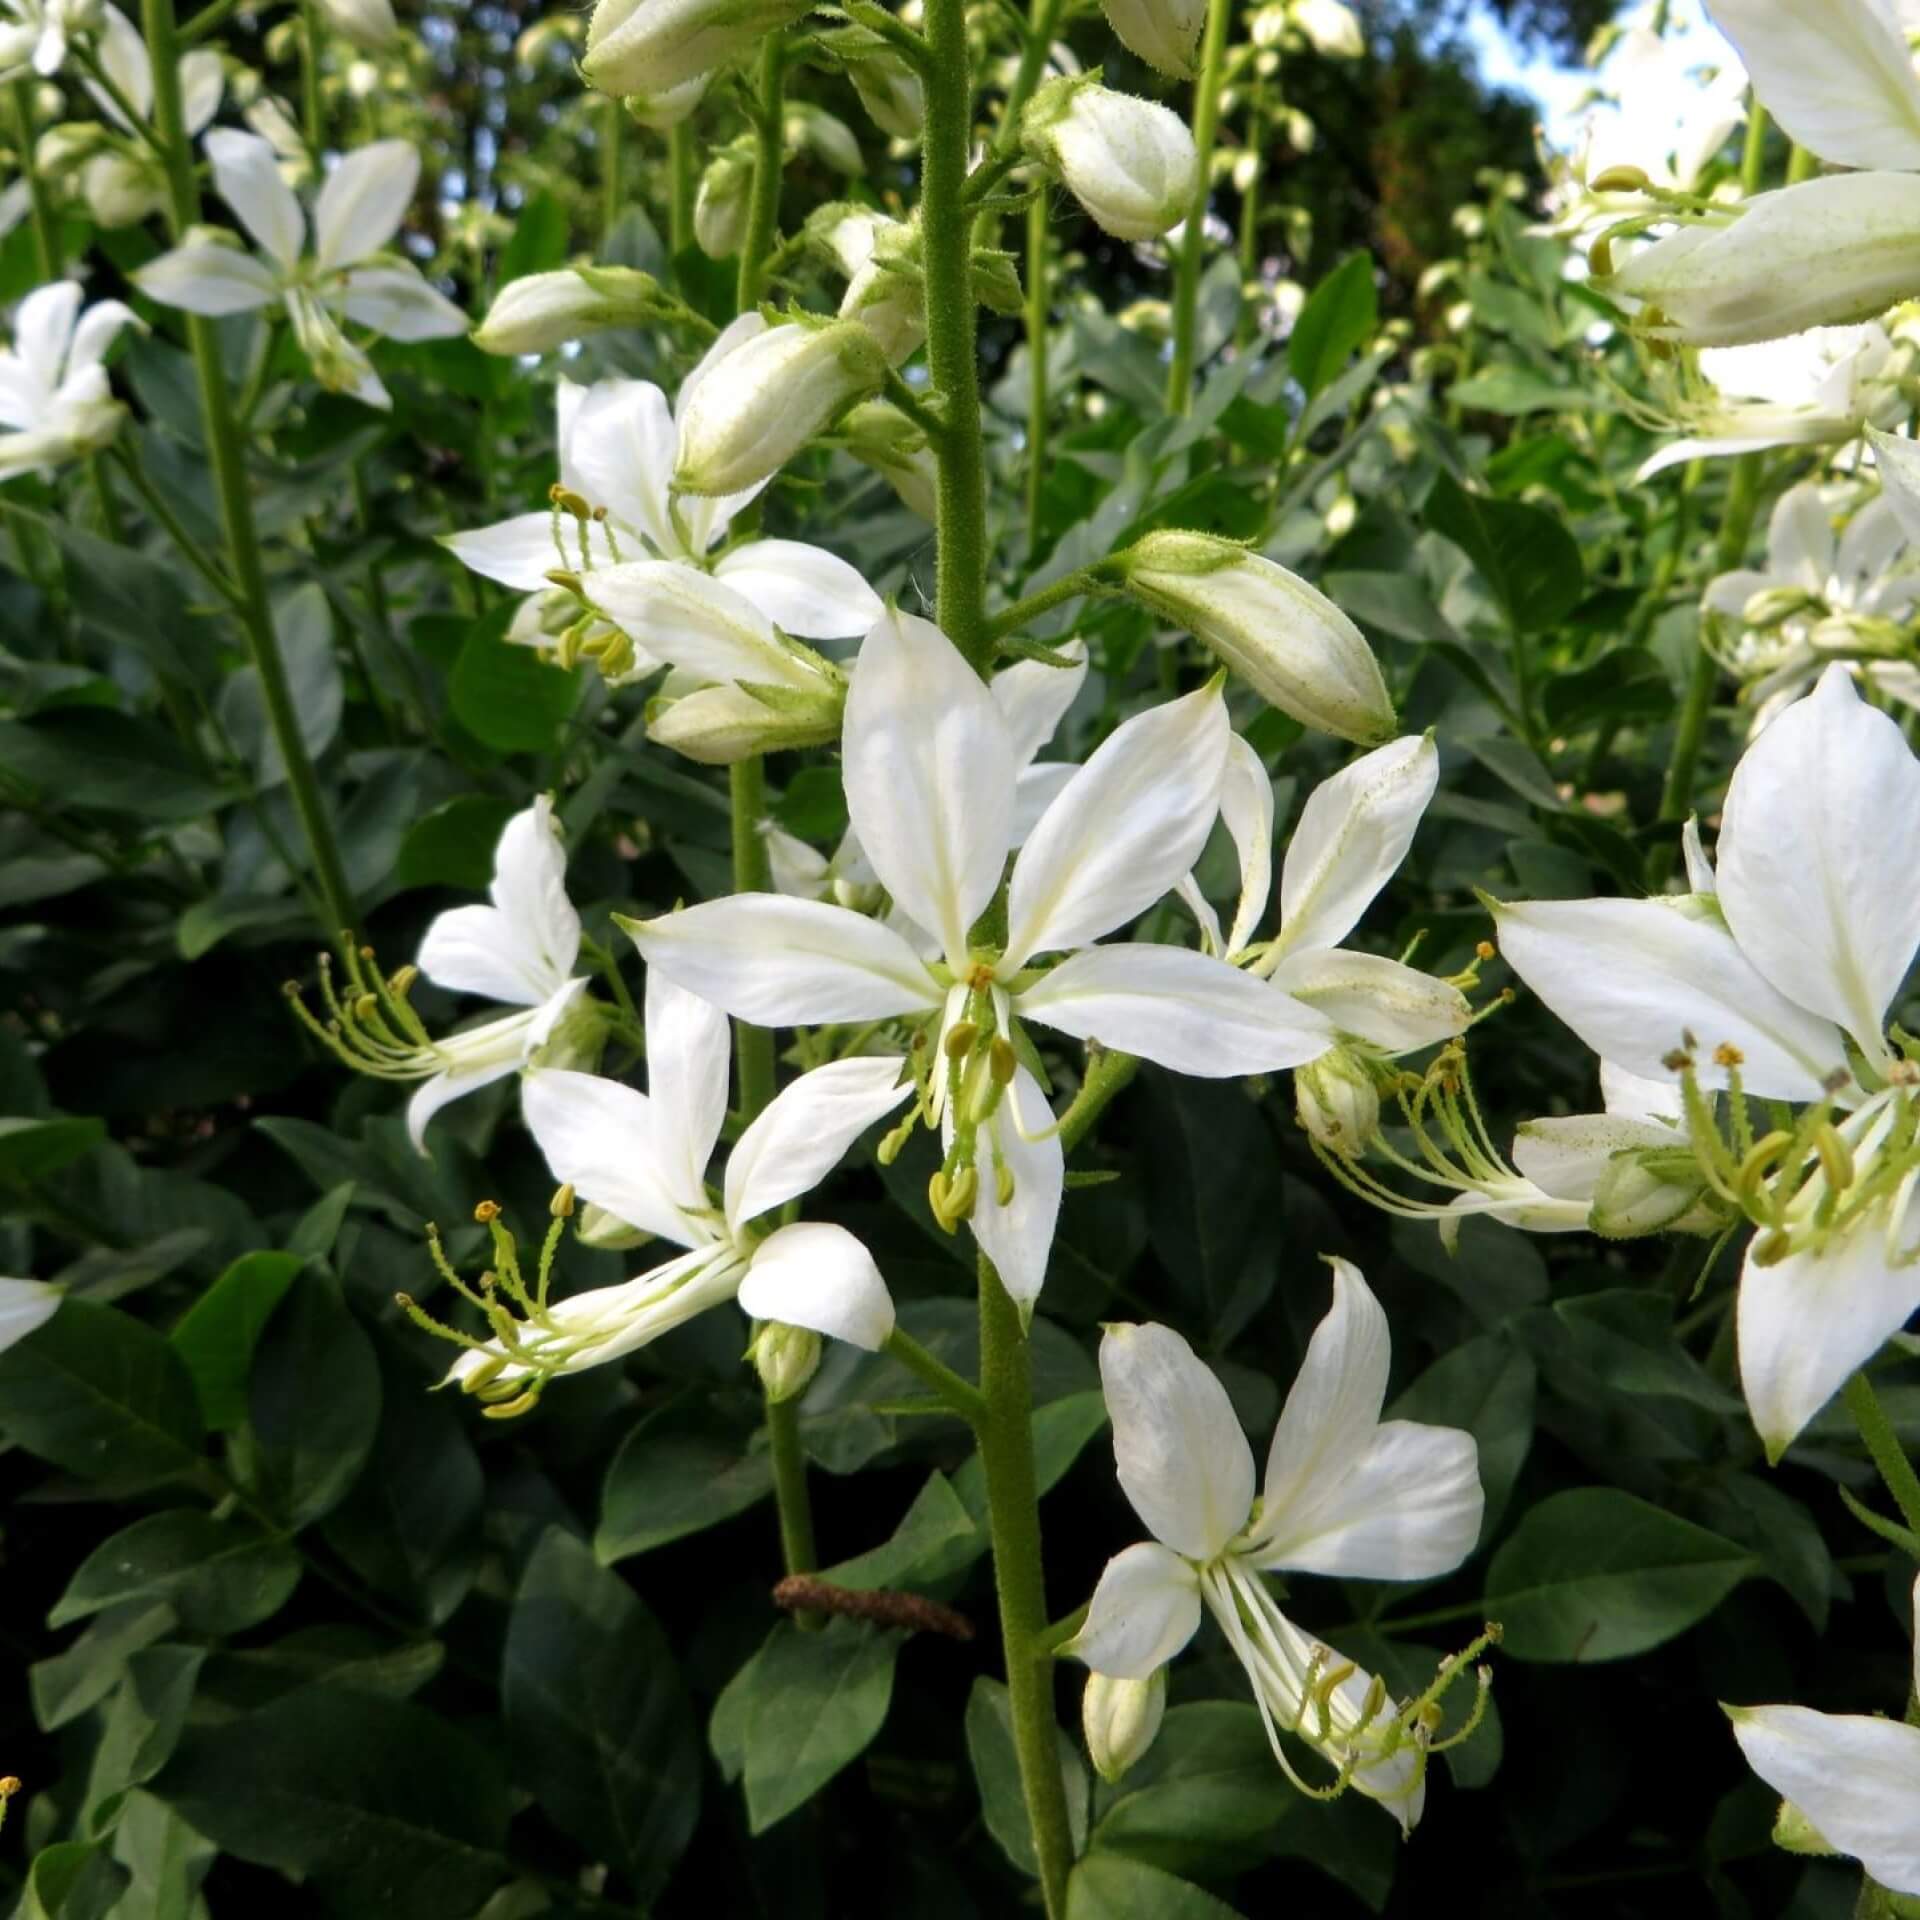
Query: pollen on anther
point(487, 1212)
point(1726, 1054)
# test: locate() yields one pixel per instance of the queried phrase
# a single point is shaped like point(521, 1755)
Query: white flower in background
point(1783, 979)
point(1815, 389)
point(883, 438)
point(358, 211)
point(1346, 1495)
point(890, 90)
point(724, 200)
point(1130, 163)
point(55, 401)
point(649, 46)
point(25, 1306)
point(1331, 28)
point(519, 951)
point(1855, 1777)
point(369, 24)
point(642, 1158)
point(1817, 597)
point(930, 768)
point(540, 311)
point(35, 35)
point(1163, 33)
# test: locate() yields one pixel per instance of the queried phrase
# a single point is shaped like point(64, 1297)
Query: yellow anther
point(892, 1143)
point(512, 1409)
point(1762, 1158)
point(1620, 179)
point(1485, 950)
point(1001, 1060)
point(1770, 1249)
point(401, 983)
point(562, 1205)
point(960, 1039)
point(1003, 1184)
point(570, 502)
point(487, 1212)
point(1600, 256)
point(9, 1785)
point(563, 577)
point(1726, 1054)
point(979, 976)
point(1836, 1157)
point(365, 1006)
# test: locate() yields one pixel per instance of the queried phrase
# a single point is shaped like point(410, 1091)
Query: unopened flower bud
point(1337, 1101)
point(891, 92)
point(1121, 1719)
point(543, 310)
point(718, 726)
point(1164, 33)
point(1287, 640)
point(122, 189)
point(785, 1358)
point(1652, 1192)
point(1130, 163)
point(647, 46)
point(724, 201)
point(369, 24)
point(882, 437)
point(810, 129)
point(760, 405)
point(596, 1227)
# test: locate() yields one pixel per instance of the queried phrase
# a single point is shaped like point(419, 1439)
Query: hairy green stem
point(46, 227)
point(190, 550)
point(1013, 1512)
point(1193, 238)
point(680, 189)
point(1883, 1443)
point(612, 113)
point(1036, 321)
point(769, 163)
point(790, 1491)
point(961, 1395)
point(234, 490)
point(1073, 586)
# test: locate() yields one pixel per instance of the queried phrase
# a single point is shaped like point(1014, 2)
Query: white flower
point(1783, 977)
point(35, 35)
point(1856, 1777)
point(650, 46)
point(55, 401)
point(358, 212)
point(1662, 118)
point(369, 24)
point(1164, 33)
point(24, 1306)
point(930, 766)
point(543, 310)
point(1817, 598)
point(1130, 163)
point(1346, 1495)
point(1332, 29)
point(643, 1159)
point(126, 183)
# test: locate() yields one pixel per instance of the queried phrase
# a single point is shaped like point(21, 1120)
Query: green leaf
point(72, 1880)
point(71, 1683)
point(218, 1576)
point(1486, 1387)
point(813, 1705)
point(32, 1149)
point(98, 1393)
point(137, 600)
point(539, 240)
point(314, 1401)
point(922, 1544)
point(303, 625)
point(217, 1335)
point(96, 759)
point(1596, 1574)
point(385, 1807)
point(1518, 390)
point(506, 696)
point(453, 845)
point(1340, 314)
point(1624, 686)
point(996, 1769)
point(1524, 554)
point(205, 924)
point(598, 1715)
point(349, 1659)
point(143, 1726)
point(1110, 1886)
point(664, 1485)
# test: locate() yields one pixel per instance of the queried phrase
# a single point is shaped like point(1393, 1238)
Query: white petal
point(397, 303)
point(25, 1305)
point(202, 82)
point(1632, 1098)
point(99, 326)
point(619, 453)
point(1123, 830)
point(1354, 831)
point(1898, 459)
point(687, 1048)
point(1034, 791)
point(1185, 1011)
point(518, 553)
point(1033, 698)
point(206, 277)
point(1808, 1321)
point(689, 619)
point(530, 889)
point(1018, 1238)
point(602, 1139)
point(1700, 876)
point(1144, 1610)
point(1800, 539)
point(1633, 977)
point(781, 962)
point(246, 170)
point(1246, 810)
point(122, 55)
point(363, 202)
point(43, 328)
point(1177, 1445)
point(1869, 547)
point(929, 773)
point(1855, 1777)
point(805, 1129)
point(819, 1276)
point(801, 589)
point(1816, 857)
point(445, 1088)
point(1565, 1155)
point(1375, 999)
point(1835, 74)
point(478, 950)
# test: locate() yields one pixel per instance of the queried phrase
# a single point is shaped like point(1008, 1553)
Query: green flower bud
point(1121, 1719)
point(1130, 163)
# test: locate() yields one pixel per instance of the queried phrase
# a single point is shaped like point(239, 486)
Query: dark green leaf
point(1110, 1886)
point(218, 1576)
point(1340, 314)
point(996, 1770)
point(663, 1485)
point(506, 696)
point(217, 1335)
point(453, 845)
point(96, 759)
point(1524, 554)
point(539, 240)
point(32, 1149)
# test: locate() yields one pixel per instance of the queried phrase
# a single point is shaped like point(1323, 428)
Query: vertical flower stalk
point(769, 159)
point(611, 114)
point(225, 453)
point(1193, 235)
point(1036, 321)
point(46, 228)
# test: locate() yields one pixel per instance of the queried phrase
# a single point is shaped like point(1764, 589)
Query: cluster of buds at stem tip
point(1130, 163)
point(1287, 640)
point(780, 389)
point(649, 46)
point(544, 310)
point(1121, 1720)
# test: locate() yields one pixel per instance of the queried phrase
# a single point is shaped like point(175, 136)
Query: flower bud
point(660, 109)
point(754, 410)
point(890, 306)
point(122, 189)
point(785, 1358)
point(720, 725)
point(724, 202)
point(1287, 640)
point(596, 1227)
point(1130, 163)
point(891, 92)
point(66, 146)
point(1120, 1719)
point(1331, 28)
point(810, 129)
point(883, 438)
point(1164, 33)
point(1659, 1191)
point(543, 310)
point(369, 24)
point(1337, 1101)
point(647, 46)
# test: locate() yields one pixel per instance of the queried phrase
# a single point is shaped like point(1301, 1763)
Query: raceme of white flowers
point(1774, 980)
point(332, 267)
point(56, 404)
point(1346, 1495)
point(930, 766)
